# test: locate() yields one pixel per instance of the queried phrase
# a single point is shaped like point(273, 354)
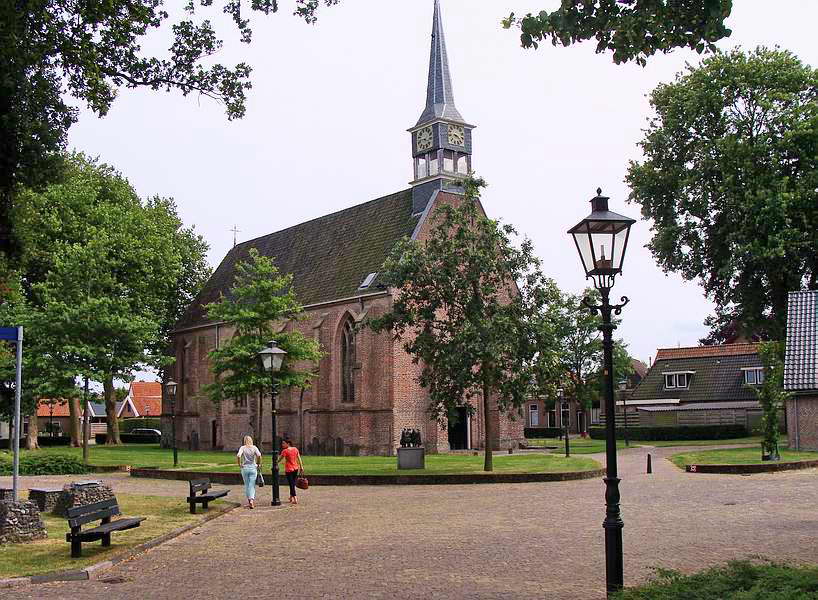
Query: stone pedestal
point(82, 493)
point(20, 522)
point(45, 498)
point(412, 458)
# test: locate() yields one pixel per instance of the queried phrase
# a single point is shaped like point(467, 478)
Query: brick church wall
point(802, 422)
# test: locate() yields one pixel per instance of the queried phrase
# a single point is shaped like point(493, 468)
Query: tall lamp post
point(623, 386)
point(565, 422)
point(601, 239)
point(272, 357)
point(170, 386)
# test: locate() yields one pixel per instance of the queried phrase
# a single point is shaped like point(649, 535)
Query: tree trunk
point(112, 439)
point(260, 421)
point(33, 431)
point(488, 464)
point(74, 413)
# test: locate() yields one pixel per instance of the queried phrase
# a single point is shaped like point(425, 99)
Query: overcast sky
point(326, 129)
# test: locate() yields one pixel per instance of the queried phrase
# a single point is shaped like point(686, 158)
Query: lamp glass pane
point(583, 242)
point(620, 240)
point(602, 244)
point(277, 360)
point(266, 360)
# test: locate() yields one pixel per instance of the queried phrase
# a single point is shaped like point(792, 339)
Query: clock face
point(457, 136)
point(424, 139)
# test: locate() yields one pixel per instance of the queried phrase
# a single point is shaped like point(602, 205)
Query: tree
point(105, 273)
point(461, 316)
point(730, 178)
point(261, 300)
point(771, 396)
point(57, 48)
point(633, 30)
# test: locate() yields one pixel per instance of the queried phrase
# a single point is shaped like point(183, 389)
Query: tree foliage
point(730, 180)
point(463, 319)
point(771, 395)
point(632, 30)
point(259, 303)
point(56, 49)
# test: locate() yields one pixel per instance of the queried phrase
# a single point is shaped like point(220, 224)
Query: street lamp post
point(271, 359)
point(601, 240)
point(623, 385)
point(170, 386)
point(565, 422)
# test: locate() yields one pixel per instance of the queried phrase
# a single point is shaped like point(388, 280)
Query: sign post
point(15, 334)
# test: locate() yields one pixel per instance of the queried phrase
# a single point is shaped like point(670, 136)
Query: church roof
point(329, 257)
point(439, 94)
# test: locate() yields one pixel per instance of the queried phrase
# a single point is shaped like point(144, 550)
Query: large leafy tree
point(462, 317)
point(56, 49)
point(730, 180)
point(631, 30)
point(260, 302)
point(105, 273)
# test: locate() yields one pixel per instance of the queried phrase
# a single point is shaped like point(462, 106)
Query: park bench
point(206, 496)
point(99, 511)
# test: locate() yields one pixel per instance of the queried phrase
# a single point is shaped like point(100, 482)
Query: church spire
point(439, 94)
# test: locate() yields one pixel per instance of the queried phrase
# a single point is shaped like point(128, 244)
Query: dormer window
point(677, 380)
point(753, 375)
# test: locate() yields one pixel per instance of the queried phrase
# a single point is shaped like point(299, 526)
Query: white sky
point(326, 129)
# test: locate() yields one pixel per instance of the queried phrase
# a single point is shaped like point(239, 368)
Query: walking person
point(249, 459)
point(292, 466)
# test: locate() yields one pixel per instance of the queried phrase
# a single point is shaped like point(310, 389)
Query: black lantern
point(272, 359)
point(601, 239)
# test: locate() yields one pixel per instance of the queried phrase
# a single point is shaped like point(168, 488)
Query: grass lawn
point(54, 554)
point(150, 455)
point(577, 445)
point(737, 581)
point(735, 456)
point(670, 443)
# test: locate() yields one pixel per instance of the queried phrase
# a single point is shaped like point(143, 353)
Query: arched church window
point(421, 170)
point(348, 360)
point(448, 161)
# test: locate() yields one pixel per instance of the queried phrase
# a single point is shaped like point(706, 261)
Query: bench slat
point(118, 525)
point(208, 497)
point(94, 516)
point(81, 510)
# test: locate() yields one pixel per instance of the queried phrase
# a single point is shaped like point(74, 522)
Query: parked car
point(146, 431)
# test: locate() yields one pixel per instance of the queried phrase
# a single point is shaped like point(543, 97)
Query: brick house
point(144, 399)
point(801, 370)
point(702, 385)
point(366, 391)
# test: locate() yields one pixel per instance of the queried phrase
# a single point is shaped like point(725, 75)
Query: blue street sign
point(8, 333)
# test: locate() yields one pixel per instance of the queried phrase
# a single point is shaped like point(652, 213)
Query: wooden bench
point(206, 496)
point(99, 511)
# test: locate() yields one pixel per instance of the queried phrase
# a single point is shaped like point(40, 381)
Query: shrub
point(680, 432)
point(534, 433)
point(44, 464)
point(740, 580)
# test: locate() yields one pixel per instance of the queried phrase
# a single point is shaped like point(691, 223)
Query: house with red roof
point(144, 399)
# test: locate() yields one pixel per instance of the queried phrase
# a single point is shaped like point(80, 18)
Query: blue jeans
point(248, 474)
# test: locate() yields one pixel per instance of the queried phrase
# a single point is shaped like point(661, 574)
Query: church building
point(366, 391)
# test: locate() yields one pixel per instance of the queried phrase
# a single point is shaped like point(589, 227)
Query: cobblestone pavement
point(540, 540)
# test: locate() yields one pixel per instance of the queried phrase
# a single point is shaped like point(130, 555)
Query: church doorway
point(459, 438)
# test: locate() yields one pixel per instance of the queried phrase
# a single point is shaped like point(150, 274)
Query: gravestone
point(20, 522)
point(82, 493)
point(412, 458)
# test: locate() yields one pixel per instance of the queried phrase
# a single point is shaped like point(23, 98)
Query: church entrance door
point(458, 431)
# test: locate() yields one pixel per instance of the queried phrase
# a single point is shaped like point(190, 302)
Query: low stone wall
point(767, 467)
point(20, 522)
point(45, 498)
point(82, 493)
point(467, 478)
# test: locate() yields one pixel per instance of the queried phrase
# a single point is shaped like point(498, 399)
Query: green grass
point(148, 455)
point(54, 554)
point(739, 580)
point(670, 443)
point(577, 445)
point(735, 456)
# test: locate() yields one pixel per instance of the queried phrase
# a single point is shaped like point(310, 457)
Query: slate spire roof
point(439, 94)
point(801, 360)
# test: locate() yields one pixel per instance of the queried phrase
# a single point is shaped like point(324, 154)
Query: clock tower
point(441, 139)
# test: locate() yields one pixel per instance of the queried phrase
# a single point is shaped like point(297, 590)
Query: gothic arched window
point(348, 360)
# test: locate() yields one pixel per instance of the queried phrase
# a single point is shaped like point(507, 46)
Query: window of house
point(240, 403)
point(348, 359)
point(677, 380)
point(754, 376)
point(552, 418)
point(534, 415)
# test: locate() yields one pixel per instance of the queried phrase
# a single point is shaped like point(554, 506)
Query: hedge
point(128, 425)
point(535, 433)
point(43, 441)
point(44, 464)
point(680, 432)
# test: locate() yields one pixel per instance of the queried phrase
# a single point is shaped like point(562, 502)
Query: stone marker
point(412, 458)
point(20, 522)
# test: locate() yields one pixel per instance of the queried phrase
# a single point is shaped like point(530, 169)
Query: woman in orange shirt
point(292, 465)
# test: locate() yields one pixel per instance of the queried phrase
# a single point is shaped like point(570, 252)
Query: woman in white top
point(249, 459)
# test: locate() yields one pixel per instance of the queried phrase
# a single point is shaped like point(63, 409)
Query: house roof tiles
point(147, 398)
point(801, 359)
point(329, 257)
point(706, 351)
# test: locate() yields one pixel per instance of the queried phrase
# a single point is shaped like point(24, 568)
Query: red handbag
point(302, 483)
